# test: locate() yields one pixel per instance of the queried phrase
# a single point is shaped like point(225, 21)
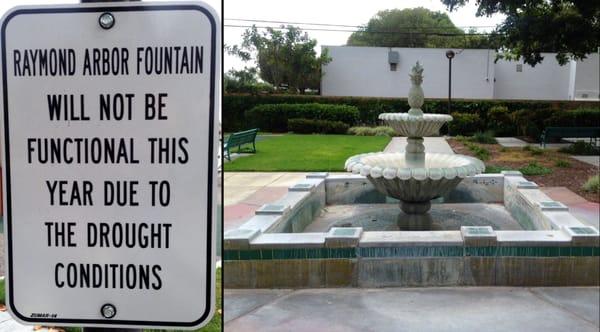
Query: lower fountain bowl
point(412, 180)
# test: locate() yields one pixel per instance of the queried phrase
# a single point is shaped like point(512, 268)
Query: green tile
point(250, 254)
point(342, 253)
point(480, 251)
point(565, 251)
point(290, 253)
point(582, 230)
point(317, 253)
point(231, 255)
point(266, 254)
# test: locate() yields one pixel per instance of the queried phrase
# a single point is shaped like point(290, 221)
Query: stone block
point(478, 236)
point(317, 175)
point(239, 238)
point(533, 271)
point(261, 222)
point(414, 238)
point(511, 173)
point(552, 206)
point(532, 239)
point(583, 235)
point(302, 186)
point(479, 271)
point(527, 185)
point(338, 237)
point(273, 209)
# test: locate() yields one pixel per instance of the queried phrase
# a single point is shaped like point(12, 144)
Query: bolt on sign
point(110, 149)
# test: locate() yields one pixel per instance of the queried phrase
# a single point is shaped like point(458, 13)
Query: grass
point(306, 152)
point(535, 151)
point(213, 326)
point(535, 169)
point(2, 292)
point(592, 184)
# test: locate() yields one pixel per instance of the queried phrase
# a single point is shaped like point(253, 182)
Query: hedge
point(310, 126)
point(274, 117)
point(503, 122)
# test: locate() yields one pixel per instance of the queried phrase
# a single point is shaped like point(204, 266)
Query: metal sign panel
point(109, 147)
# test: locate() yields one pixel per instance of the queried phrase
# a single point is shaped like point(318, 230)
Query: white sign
point(109, 147)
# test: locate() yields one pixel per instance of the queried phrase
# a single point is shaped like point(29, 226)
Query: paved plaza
point(414, 309)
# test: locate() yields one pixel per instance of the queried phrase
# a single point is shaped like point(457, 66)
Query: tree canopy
point(414, 27)
point(284, 57)
point(571, 28)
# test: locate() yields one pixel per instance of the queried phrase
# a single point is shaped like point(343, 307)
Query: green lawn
point(306, 152)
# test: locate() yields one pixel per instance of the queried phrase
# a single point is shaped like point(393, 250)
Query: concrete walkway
point(584, 210)
point(432, 145)
point(512, 142)
point(7, 324)
point(414, 309)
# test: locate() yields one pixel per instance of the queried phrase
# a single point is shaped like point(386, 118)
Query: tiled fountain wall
point(269, 251)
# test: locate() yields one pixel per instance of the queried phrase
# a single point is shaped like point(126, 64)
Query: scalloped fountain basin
point(412, 181)
point(415, 126)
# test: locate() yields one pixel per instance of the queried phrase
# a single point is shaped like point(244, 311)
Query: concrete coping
point(560, 219)
point(527, 185)
point(261, 222)
point(343, 237)
point(317, 175)
point(532, 238)
point(583, 235)
point(239, 238)
point(511, 173)
point(478, 236)
point(552, 206)
point(411, 239)
point(273, 209)
point(303, 186)
point(289, 240)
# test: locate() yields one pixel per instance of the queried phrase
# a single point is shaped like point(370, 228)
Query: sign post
point(110, 148)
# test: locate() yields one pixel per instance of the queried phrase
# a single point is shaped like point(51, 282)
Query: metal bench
point(238, 139)
point(576, 132)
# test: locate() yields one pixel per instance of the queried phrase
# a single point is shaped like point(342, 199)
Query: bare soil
point(573, 177)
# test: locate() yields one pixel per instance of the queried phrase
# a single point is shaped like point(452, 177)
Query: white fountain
point(415, 177)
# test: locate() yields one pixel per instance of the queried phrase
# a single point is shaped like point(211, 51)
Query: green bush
point(372, 131)
point(464, 124)
point(592, 184)
point(499, 120)
point(235, 107)
point(581, 117)
point(274, 117)
point(535, 169)
point(581, 148)
point(562, 163)
point(309, 126)
point(480, 152)
point(486, 137)
point(530, 122)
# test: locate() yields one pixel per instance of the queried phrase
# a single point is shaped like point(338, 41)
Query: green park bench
point(569, 132)
point(240, 138)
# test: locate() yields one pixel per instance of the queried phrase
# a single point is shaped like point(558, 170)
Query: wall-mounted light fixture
point(393, 60)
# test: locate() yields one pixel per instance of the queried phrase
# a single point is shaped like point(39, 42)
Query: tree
point(245, 81)
point(571, 28)
point(414, 27)
point(284, 57)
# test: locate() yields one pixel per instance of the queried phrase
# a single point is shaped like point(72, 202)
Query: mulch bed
point(572, 177)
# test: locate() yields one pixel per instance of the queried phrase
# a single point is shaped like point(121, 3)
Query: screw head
point(108, 311)
point(106, 20)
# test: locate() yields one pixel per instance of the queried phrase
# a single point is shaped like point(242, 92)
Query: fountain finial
point(415, 94)
point(416, 75)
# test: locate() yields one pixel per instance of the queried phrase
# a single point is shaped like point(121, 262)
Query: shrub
point(581, 148)
point(480, 152)
point(372, 131)
point(592, 184)
point(309, 126)
point(530, 122)
point(235, 107)
point(581, 117)
point(562, 163)
point(535, 169)
point(274, 117)
point(500, 121)
point(464, 124)
point(486, 137)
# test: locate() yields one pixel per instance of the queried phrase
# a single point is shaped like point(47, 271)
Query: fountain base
point(415, 207)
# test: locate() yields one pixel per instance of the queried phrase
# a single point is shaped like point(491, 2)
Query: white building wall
point(546, 81)
point(587, 79)
point(365, 71)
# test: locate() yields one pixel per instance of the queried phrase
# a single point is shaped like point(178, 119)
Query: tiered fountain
point(415, 177)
